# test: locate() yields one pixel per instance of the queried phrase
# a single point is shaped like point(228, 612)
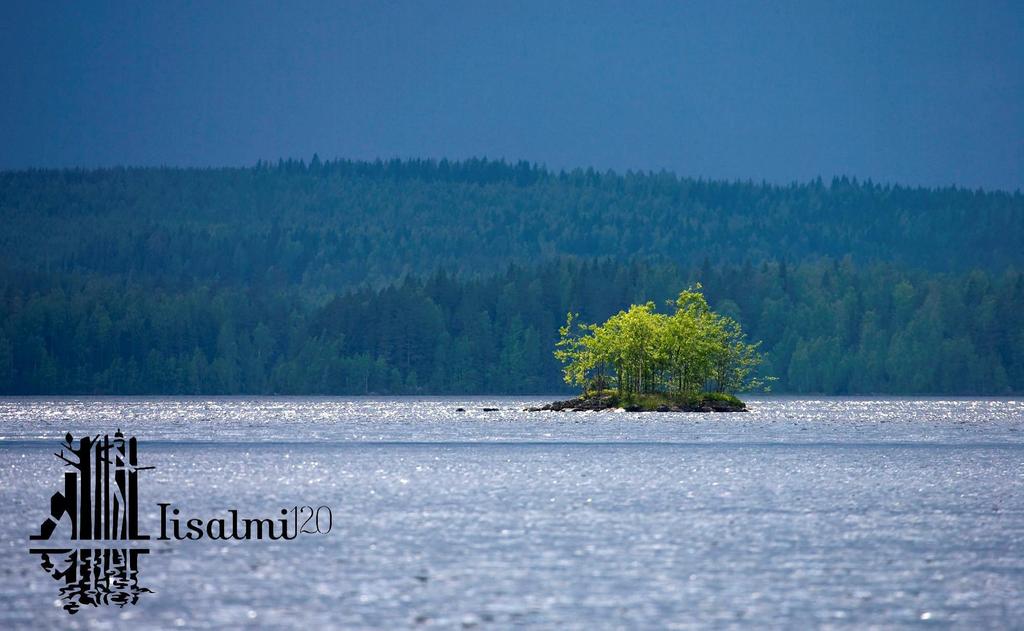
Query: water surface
point(802, 512)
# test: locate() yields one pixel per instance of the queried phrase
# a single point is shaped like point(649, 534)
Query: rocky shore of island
point(595, 402)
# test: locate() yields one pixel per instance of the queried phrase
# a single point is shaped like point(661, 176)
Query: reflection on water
point(94, 577)
point(803, 513)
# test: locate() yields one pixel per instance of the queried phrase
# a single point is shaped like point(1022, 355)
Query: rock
point(610, 401)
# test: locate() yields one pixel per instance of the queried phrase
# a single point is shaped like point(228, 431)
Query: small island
point(643, 361)
point(651, 402)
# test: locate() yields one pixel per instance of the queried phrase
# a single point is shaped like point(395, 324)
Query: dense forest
point(325, 226)
point(454, 277)
point(827, 326)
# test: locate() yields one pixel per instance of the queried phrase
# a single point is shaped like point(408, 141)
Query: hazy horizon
point(551, 170)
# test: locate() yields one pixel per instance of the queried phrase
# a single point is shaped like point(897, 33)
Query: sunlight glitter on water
point(432, 419)
point(803, 512)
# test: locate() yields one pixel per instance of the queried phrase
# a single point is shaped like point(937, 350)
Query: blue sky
point(921, 93)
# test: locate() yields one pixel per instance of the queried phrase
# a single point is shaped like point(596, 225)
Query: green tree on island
point(690, 354)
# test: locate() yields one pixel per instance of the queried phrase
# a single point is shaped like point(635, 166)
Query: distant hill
point(329, 225)
point(452, 277)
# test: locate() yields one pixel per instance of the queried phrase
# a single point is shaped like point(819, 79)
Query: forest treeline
point(831, 326)
point(322, 277)
point(327, 226)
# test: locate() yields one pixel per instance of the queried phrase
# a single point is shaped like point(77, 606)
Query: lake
point(802, 512)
